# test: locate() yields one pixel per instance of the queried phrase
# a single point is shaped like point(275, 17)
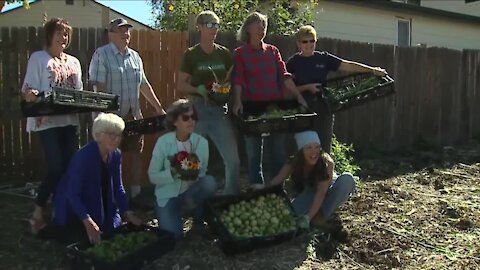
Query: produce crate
point(66, 101)
point(353, 90)
point(165, 242)
point(231, 244)
point(144, 126)
point(251, 124)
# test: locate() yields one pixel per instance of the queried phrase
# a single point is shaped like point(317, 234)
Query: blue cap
point(306, 137)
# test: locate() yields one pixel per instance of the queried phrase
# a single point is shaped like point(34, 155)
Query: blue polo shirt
point(312, 69)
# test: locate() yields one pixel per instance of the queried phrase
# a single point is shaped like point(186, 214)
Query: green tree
point(285, 16)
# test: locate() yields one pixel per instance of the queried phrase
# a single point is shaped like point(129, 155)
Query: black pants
point(59, 144)
point(73, 232)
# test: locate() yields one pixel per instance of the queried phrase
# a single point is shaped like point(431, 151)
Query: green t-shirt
point(196, 62)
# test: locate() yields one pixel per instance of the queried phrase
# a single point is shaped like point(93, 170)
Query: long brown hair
point(319, 172)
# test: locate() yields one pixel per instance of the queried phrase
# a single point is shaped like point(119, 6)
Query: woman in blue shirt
point(91, 191)
point(310, 68)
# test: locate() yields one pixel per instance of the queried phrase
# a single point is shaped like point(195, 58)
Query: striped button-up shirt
point(122, 74)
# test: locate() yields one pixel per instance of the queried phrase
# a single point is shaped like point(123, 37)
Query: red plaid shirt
point(260, 72)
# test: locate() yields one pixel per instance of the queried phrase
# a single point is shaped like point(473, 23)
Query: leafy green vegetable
point(121, 244)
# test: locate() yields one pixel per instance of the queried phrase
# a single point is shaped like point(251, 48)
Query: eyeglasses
point(114, 135)
point(308, 41)
point(186, 117)
point(211, 25)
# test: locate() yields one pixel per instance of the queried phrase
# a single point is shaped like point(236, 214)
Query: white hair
point(107, 121)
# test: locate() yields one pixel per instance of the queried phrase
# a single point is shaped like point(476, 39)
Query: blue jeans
point(59, 145)
point(337, 194)
point(215, 124)
point(270, 148)
point(170, 215)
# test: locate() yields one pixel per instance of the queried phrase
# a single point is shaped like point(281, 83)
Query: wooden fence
point(436, 101)
point(21, 156)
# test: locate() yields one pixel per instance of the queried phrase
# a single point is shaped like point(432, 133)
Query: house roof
point(100, 4)
point(396, 6)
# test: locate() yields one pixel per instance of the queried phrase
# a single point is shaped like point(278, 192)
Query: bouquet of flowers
point(219, 91)
point(186, 165)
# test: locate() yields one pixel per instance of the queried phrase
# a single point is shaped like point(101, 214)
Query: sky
point(136, 9)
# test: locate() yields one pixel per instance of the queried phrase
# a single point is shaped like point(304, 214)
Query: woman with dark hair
point(48, 68)
point(172, 191)
point(312, 173)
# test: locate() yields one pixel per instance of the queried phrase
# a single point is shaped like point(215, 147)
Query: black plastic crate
point(353, 90)
point(250, 124)
point(66, 101)
point(232, 245)
point(136, 259)
point(147, 125)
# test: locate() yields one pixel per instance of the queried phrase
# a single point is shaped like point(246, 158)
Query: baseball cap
point(118, 22)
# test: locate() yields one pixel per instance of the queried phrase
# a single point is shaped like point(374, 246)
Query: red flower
point(209, 85)
point(181, 156)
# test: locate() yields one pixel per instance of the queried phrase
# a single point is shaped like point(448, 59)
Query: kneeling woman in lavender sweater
point(91, 192)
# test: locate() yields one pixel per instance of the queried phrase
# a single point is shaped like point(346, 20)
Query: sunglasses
point(308, 41)
point(186, 117)
point(211, 25)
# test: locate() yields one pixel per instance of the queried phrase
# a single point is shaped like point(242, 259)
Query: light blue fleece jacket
point(166, 185)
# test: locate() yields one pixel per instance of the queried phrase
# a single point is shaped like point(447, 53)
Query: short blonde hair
point(306, 31)
point(251, 18)
point(206, 16)
point(107, 121)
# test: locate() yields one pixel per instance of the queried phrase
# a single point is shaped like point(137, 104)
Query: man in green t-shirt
point(203, 65)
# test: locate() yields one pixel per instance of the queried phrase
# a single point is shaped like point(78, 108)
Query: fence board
point(14, 110)
point(7, 43)
point(23, 60)
point(472, 78)
point(3, 166)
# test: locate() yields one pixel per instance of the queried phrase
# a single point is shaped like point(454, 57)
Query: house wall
point(83, 13)
point(375, 25)
point(458, 6)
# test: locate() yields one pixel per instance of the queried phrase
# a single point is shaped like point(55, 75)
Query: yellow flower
point(26, 4)
point(223, 90)
point(236, 6)
point(171, 7)
point(194, 166)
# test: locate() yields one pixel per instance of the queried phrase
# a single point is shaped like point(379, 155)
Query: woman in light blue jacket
point(172, 193)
